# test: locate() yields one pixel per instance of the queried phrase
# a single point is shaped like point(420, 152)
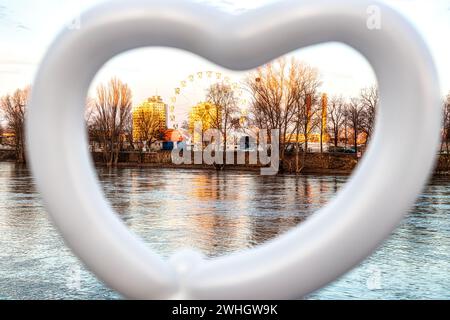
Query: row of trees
point(285, 96)
point(348, 120)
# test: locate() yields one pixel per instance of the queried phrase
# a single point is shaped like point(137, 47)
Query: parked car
point(333, 149)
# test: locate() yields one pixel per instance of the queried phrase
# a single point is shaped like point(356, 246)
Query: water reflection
point(218, 213)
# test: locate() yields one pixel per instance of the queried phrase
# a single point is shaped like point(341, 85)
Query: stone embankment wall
point(7, 155)
point(314, 162)
point(320, 163)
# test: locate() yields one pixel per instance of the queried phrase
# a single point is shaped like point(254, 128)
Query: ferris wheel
point(193, 90)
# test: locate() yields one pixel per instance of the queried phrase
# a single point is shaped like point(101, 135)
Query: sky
point(27, 27)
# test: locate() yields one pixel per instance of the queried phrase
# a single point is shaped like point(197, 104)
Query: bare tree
point(336, 118)
point(222, 96)
point(14, 109)
point(89, 118)
point(306, 122)
point(346, 126)
point(445, 144)
point(128, 133)
point(112, 113)
point(308, 116)
point(148, 125)
point(270, 106)
point(369, 101)
point(281, 91)
point(355, 115)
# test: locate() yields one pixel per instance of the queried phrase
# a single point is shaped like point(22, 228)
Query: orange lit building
point(172, 135)
point(154, 105)
point(205, 113)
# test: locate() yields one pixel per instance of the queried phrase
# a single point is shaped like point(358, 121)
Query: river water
point(217, 213)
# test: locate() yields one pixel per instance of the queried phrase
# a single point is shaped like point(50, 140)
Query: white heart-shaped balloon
point(341, 235)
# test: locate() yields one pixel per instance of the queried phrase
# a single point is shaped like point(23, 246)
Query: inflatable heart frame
point(335, 239)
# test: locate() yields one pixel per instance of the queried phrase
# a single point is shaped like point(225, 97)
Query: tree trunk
point(224, 149)
point(321, 140)
point(304, 160)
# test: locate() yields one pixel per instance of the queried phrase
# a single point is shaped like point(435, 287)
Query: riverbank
point(7, 155)
point(315, 163)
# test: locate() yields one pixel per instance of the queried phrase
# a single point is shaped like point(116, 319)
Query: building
point(154, 105)
point(205, 113)
point(7, 139)
point(171, 139)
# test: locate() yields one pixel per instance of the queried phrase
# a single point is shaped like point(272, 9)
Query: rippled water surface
point(217, 213)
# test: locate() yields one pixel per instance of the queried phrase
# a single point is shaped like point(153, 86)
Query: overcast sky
point(28, 26)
